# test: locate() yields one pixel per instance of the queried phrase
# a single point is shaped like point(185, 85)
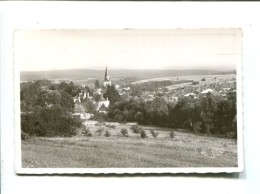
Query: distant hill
point(81, 74)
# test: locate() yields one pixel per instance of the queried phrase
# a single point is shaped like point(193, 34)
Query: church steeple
point(106, 75)
point(107, 82)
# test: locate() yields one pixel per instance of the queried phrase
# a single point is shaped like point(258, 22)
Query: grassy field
point(209, 79)
point(185, 150)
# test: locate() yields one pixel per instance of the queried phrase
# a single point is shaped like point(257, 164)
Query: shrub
point(136, 129)
point(203, 79)
point(87, 132)
point(124, 132)
point(111, 126)
point(143, 134)
point(231, 134)
point(197, 127)
point(172, 135)
point(154, 133)
point(99, 131)
point(25, 136)
point(107, 133)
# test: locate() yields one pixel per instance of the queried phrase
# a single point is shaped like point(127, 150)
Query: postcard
point(128, 100)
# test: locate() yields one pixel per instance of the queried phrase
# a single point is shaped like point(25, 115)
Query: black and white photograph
point(128, 100)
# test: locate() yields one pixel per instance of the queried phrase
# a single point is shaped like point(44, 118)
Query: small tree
point(197, 127)
point(97, 84)
point(203, 79)
point(143, 134)
point(154, 133)
point(136, 129)
point(124, 132)
point(107, 133)
point(25, 136)
point(87, 132)
point(172, 135)
point(111, 126)
point(99, 131)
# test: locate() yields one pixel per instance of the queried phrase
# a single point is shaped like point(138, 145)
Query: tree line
point(209, 115)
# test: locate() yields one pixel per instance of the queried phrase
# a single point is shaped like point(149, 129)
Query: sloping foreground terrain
point(184, 150)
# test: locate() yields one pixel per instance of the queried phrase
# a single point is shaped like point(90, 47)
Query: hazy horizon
point(124, 69)
point(132, 49)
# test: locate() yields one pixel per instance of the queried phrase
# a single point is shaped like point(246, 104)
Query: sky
point(213, 49)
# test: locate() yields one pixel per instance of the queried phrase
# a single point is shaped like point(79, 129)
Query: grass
point(185, 150)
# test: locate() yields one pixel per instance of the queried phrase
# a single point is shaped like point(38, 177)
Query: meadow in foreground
point(184, 150)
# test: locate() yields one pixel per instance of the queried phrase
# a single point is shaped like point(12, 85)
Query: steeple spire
point(107, 82)
point(106, 75)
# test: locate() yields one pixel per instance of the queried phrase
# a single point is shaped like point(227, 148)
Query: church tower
point(107, 82)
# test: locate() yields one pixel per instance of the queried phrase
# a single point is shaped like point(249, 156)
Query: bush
point(124, 132)
point(203, 79)
point(107, 133)
point(143, 134)
point(87, 132)
point(99, 131)
point(231, 134)
point(136, 129)
point(111, 126)
point(154, 133)
point(25, 136)
point(197, 127)
point(172, 135)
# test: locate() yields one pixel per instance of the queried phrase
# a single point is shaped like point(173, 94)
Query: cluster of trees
point(112, 94)
point(210, 115)
point(46, 108)
point(44, 93)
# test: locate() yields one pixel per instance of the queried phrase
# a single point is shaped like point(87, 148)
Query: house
point(102, 101)
point(206, 91)
point(147, 97)
point(81, 96)
point(85, 116)
point(190, 94)
point(209, 91)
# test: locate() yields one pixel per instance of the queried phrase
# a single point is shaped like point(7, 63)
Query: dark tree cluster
point(209, 115)
point(46, 108)
point(112, 94)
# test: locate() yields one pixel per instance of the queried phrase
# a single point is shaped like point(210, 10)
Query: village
point(191, 87)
